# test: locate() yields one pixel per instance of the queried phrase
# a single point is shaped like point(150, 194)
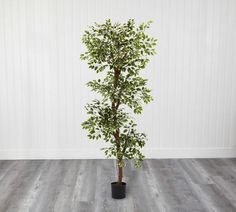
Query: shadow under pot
point(118, 190)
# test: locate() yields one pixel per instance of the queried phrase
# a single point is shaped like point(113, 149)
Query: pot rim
point(117, 184)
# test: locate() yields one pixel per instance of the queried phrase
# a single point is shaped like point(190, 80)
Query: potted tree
point(121, 51)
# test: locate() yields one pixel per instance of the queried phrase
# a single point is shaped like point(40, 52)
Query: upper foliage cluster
point(122, 50)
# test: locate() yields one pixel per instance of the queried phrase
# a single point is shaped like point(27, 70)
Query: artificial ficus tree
point(121, 51)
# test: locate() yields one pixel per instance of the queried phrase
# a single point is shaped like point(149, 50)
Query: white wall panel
point(42, 80)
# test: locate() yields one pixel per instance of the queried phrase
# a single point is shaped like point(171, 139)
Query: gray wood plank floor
point(84, 186)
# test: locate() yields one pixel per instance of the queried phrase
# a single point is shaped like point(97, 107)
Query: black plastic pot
point(118, 190)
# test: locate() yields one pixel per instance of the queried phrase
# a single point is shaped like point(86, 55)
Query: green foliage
point(122, 51)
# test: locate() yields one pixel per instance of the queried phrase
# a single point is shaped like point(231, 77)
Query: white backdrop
point(42, 80)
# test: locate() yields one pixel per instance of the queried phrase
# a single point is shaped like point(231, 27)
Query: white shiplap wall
point(42, 80)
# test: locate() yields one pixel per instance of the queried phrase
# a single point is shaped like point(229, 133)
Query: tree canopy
point(121, 51)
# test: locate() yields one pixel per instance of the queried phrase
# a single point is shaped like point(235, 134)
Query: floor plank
point(84, 186)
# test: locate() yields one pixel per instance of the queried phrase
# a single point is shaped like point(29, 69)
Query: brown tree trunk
point(115, 106)
point(120, 174)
